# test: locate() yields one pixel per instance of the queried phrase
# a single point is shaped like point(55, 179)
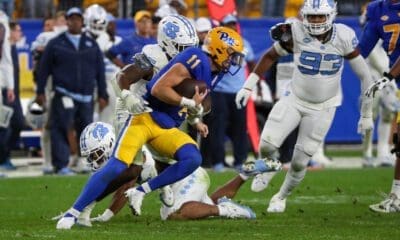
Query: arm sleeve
point(361, 69)
point(101, 78)
point(44, 68)
point(6, 64)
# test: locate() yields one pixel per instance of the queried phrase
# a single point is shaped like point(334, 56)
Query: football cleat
point(135, 198)
point(230, 209)
point(66, 222)
point(251, 168)
point(167, 196)
point(389, 205)
point(276, 204)
point(68, 219)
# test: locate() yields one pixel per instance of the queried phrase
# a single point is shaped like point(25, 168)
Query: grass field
point(329, 204)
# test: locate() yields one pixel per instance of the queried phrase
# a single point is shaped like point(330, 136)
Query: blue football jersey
point(383, 22)
point(197, 63)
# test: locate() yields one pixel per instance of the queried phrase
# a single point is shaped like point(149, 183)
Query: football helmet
point(96, 144)
point(225, 47)
point(175, 33)
point(35, 115)
point(326, 8)
point(96, 19)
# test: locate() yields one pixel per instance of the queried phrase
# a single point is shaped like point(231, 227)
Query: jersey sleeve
point(349, 39)
point(370, 35)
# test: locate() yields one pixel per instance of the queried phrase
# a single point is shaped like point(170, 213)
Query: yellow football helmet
point(225, 47)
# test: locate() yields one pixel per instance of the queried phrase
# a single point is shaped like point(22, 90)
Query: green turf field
point(329, 204)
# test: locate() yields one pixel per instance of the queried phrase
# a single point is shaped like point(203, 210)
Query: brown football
point(186, 89)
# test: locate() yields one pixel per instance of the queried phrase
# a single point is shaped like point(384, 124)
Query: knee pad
point(300, 158)
point(190, 154)
point(269, 150)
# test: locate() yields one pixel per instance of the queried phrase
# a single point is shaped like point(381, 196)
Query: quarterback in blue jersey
point(221, 53)
point(383, 22)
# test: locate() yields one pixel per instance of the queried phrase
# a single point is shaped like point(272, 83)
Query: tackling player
point(383, 23)
point(224, 48)
point(319, 47)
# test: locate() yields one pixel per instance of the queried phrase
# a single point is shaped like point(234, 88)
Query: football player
point(96, 21)
point(129, 101)
point(383, 23)
point(192, 201)
point(385, 105)
point(319, 47)
point(159, 128)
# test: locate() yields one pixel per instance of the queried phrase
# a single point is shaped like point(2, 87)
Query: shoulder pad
point(281, 32)
point(142, 61)
point(156, 56)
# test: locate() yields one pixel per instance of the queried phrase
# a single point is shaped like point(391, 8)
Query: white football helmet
point(96, 143)
point(175, 33)
point(318, 7)
point(96, 19)
point(35, 115)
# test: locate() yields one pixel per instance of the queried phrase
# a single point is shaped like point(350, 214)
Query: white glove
point(242, 97)
point(379, 84)
point(134, 104)
point(196, 111)
point(105, 217)
point(365, 124)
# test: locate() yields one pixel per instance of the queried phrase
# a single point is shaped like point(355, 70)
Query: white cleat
point(276, 204)
point(135, 198)
point(167, 196)
point(66, 222)
point(252, 168)
point(230, 209)
point(260, 182)
point(389, 205)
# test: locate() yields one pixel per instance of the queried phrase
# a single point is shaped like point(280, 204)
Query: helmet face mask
point(176, 33)
point(96, 144)
point(315, 10)
point(225, 47)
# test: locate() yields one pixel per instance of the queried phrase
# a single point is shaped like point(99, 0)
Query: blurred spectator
point(37, 48)
point(225, 118)
point(169, 7)
point(273, 8)
point(203, 25)
point(17, 120)
point(7, 95)
point(8, 7)
point(72, 104)
point(48, 24)
point(133, 44)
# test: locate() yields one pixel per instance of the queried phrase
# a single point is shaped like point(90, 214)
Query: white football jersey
point(318, 66)
point(158, 60)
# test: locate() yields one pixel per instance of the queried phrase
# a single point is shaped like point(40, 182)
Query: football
point(186, 89)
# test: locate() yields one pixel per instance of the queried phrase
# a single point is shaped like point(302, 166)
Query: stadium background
point(256, 31)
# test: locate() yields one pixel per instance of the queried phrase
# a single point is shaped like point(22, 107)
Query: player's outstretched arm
point(360, 67)
point(263, 65)
point(229, 189)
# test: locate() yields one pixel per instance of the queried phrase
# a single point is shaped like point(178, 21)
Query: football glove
point(379, 84)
